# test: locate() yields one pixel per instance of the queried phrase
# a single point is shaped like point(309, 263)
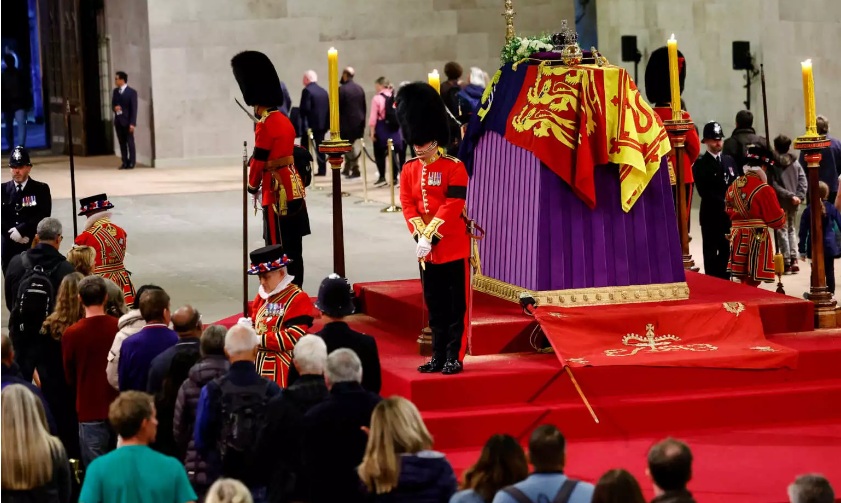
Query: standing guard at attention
point(433, 190)
point(753, 207)
point(282, 313)
point(108, 240)
point(273, 162)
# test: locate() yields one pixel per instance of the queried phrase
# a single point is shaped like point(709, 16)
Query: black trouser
point(829, 269)
point(321, 159)
point(10, 249)
point(381, 155)
point(716, 246)
point(288, 232)
point(445, 294)
point(126, 140)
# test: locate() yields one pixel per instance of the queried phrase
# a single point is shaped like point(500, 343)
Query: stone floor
point(184, 229)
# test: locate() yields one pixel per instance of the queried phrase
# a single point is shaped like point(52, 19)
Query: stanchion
point(314, 154)
point(393, 208)
point(364, 174)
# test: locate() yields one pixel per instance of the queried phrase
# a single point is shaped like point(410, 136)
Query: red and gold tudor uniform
point(108, 241)
point(753, 207)
point(433, 191)
point(280, 317)
point(272, 165)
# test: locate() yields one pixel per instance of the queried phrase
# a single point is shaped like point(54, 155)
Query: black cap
point(657, 84)
point(267, 258)
point(257, 79)
point(422, 115)
point(713, 131)
point(94, 203)
point(758, 155)
point(335, 298)
point(19, 158)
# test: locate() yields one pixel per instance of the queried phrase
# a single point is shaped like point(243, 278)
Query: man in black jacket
point(25, 203)
point(714, 172)
point(352, 115)
point(315, 115)
point(737, 145)
point(46, 256)
point(335, 301)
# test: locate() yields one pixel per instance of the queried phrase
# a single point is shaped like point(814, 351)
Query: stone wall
point(782, 33)
point(192, 41)
point(126, 25)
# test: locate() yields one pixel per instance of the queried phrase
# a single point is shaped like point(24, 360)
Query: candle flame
point(808, 62)
point(673, 38)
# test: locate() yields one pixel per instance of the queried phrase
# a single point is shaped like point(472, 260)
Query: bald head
point(186, 321)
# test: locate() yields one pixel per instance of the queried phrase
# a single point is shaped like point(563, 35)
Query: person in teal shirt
point(134, 473)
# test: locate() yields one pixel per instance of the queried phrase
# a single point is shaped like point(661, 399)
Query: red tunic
point(753, 207)
point(272, 165)
point(693, 147)
point(109, 242)
point(280, 321)
point(433, 197)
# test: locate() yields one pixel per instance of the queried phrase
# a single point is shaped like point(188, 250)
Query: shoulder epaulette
point(456, 159)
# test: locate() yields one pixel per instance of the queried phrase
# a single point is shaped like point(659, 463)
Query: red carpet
point(751, 431)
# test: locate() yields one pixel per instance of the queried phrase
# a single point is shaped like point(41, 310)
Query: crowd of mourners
point(142, 403)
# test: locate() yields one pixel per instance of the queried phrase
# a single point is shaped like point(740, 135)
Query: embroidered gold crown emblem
point(652, 343)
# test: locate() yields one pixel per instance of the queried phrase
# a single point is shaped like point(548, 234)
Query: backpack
point(390, 112)
point(35, 298)
point(243, 422)
point(563, 496)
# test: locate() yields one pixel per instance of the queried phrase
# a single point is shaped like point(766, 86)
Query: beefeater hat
point(657, 85)
point(757, 155)
point(267, 259)
point(257, 79)
point(422, 115)
point(94, 204)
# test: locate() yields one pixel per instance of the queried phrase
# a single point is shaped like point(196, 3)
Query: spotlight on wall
point(743, 60)
point(630, 52)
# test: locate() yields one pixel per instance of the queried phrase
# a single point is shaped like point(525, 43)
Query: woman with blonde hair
point(34, 463)
point(59, 396)
point(83, 259)
point(399, 464)
point(228, 491)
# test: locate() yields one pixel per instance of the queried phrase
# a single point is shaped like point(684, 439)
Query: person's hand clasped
point(424, 247)
point(15, 235)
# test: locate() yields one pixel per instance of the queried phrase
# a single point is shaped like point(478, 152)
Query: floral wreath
point(269, 266)
point(523, 47)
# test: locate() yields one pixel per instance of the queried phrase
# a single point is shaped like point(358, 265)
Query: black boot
point(452, 366)
point(432, 366)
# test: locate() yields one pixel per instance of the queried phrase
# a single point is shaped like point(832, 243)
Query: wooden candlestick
point(677, 130)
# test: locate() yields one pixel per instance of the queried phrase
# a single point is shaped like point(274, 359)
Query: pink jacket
point(378, 108)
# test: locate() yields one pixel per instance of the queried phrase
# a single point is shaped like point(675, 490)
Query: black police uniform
point(22, 209)
point(712, 177)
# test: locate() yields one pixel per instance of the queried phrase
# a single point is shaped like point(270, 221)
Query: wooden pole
point(245, 303)
point(338, 222)
point(677, 130)
point(819, 294)
point(581, 394)
point(779, 260)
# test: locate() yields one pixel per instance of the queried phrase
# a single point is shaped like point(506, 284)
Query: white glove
point(16, 237)
point(424, 247)
point(246, 322)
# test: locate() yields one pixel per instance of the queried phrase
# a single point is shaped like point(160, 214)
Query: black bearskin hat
point(657, 85)
point(422, 115)
point(257, 79)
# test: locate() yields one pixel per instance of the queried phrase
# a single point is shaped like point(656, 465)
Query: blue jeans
point(10, 119)
point(94, 440)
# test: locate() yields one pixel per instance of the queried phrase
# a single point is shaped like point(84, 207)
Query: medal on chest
point(434, 179)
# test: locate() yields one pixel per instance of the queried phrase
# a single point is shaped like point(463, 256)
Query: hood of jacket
point(46, 256)
point(208, 368)
point(131, 319)
point(786, 160)
point(473, 91)
point(423, 470)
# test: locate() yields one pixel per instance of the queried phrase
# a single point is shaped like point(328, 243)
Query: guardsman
point(25, 203)
point(658, 92)
point(108, 240)
point(714, 172)
point(433, 190)
point(753, 208)
point(273, 162)
point(281, 312)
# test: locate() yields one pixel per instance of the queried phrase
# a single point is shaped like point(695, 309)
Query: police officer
point(25, 203)
point(714, 172)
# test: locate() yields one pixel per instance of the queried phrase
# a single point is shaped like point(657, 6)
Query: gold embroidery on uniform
point(431, 229)
point(651, 343)
point(419, 226)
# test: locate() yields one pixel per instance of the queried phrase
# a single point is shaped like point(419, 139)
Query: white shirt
point(22, 184)
point(123, 88)
point(283, 284)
